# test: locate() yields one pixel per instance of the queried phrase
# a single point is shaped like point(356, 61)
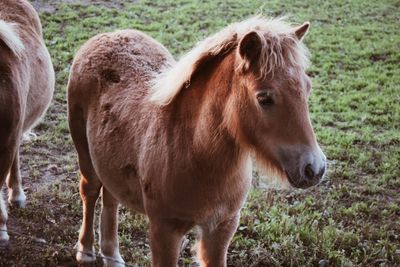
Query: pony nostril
point(309, 173)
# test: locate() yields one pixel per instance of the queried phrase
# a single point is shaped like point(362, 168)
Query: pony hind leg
point(214, 242)
point(109, 246)
point(89, 188)
point(4, 237)
point(6, 159)
point(16, 195)
point(9, 136)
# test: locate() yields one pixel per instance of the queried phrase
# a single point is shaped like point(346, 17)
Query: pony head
point(268, 107)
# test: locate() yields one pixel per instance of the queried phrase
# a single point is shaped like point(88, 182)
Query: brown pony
point(26, 88)
point(173, 140)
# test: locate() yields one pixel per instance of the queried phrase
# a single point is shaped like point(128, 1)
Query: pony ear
point(250, 46)
point(302, 30)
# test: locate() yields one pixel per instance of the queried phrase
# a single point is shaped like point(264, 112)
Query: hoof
point(17, 200)
point(84, 255)
point(113, 262)
point(29, 136)
point(3, 244)
point(4, 237)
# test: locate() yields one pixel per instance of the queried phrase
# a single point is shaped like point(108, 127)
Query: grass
point(351, 219)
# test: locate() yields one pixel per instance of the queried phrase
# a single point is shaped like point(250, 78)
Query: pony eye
point(264, 99)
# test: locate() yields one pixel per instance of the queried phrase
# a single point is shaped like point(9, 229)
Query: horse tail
point(9, 35)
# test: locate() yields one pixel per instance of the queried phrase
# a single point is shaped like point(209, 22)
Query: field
point(351, 219)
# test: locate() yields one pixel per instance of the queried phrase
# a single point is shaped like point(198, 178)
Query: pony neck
point(199, 109)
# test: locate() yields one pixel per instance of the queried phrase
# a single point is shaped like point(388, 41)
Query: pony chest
point(195, 199)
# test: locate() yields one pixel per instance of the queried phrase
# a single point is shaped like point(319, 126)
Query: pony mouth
point(300, 182)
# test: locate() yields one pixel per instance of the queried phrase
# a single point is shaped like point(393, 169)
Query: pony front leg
point(109, 246)
point(214, 242)
point(165, 241)
point(89, 189)
point(16, 195)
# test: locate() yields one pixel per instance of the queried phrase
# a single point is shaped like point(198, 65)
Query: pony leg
point(109, 246)
point(6, 158)
point(4, 237)
point(165, 241)
point(214, 243)
point(16, 195)
point(89, 187)
point(89, 190)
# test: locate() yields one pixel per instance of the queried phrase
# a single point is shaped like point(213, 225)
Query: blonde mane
point(280, 49)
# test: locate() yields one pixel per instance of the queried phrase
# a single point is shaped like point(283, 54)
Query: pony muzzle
point(304, 168)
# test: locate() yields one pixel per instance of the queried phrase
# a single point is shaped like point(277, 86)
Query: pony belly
point(124, 187)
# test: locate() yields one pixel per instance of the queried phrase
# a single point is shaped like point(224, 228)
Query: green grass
point(351, 219)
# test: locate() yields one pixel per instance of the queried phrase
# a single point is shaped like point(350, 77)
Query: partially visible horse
point(173, 140)
point(26, 89)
